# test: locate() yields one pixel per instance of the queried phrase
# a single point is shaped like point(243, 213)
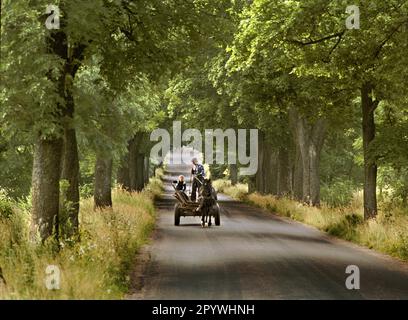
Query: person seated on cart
point(181, 184)
point(181, 187)
point(198, 174)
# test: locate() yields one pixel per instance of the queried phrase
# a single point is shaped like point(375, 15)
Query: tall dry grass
point(97, 267)
point(238, 191)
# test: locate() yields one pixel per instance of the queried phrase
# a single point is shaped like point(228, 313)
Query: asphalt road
point(256, 255)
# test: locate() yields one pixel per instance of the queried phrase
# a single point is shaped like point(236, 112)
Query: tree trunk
point(298, 175)
point(370, 167)
point(73, 57)
point(266, 179)
point(140, 172)
point(314, 154)
point(233, 174)
point(136, 163)
point(45, 186)
point(310, 138)
point(70, 157)
point(146, 167)
point(133, 165)
point(123, 175)
point(252, 184)
point(134, 172)
point(303, 137)
point(283, 172)
point(103, 182)
point(259, 178)
point(271, 168)
point(70, 172)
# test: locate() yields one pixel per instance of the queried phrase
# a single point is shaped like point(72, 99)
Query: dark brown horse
point(207, 199)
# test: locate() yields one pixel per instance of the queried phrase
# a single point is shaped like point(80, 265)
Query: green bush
point(86, 190)
point(401, 248)
point(6, 208)
point(346, 227)
point(338, 194)
point(218, 171)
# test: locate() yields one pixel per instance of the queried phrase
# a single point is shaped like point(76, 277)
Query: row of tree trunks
point(308, 138)
point(271, 165)
point(133, 173)
point(273, 169)
point(280, 174)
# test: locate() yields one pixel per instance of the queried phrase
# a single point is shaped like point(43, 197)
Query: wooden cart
point(187, 208)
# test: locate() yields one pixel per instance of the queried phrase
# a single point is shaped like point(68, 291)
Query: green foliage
point(218, 171)
point(64, 222)
point(15, 173)
point(28, 96)
point(346, 227)
point(339, 193)
point(86, 191)
point(6, 208)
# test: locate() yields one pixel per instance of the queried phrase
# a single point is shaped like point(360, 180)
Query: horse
point(207, 200)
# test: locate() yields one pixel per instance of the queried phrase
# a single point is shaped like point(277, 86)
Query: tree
point(293, 40)
point(143, 37)
point(364, 60)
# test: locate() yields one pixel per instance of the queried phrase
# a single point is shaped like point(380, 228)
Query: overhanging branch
point(311, 42)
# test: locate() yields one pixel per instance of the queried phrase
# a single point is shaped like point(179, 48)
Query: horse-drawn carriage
point(187, 208)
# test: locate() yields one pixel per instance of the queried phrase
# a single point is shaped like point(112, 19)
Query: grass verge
point(97, 267)
point(388, 233)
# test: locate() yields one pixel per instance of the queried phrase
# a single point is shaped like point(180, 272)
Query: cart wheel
point(217, 216)
point(217, 219)
point(176, 215)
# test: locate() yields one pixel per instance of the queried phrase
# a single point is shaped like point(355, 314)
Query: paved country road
point(256, 255)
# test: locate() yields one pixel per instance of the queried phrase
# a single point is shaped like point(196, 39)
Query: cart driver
point(196, 172)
